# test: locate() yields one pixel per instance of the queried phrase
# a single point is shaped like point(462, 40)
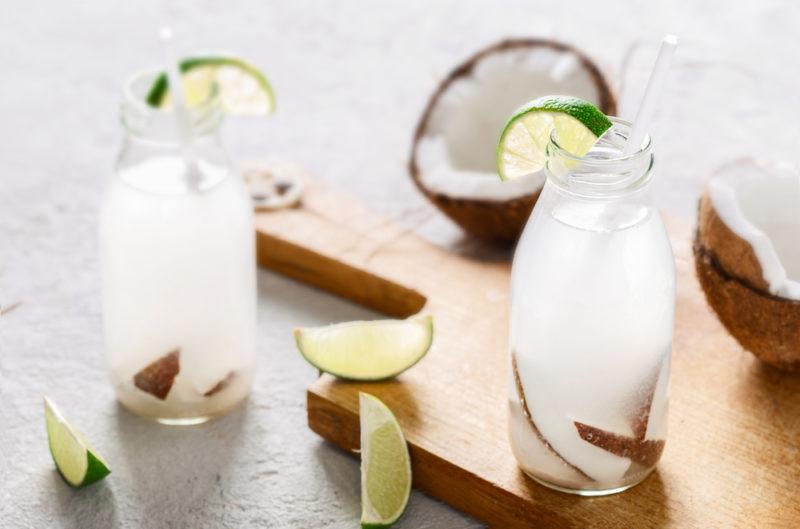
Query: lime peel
point(523, 142)
point(243, 88)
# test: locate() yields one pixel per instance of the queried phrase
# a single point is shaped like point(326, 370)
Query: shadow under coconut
point(480, 250)
point(769, 391)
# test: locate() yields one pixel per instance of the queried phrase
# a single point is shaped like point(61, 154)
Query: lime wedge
point(75, 460)
point(366, 350)
point(524, 139)
point(385, 465)
point(243, 89)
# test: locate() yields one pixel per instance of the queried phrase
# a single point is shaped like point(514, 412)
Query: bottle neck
point(605, 173)
point(602, 191)
point(154, 159)
point(156, 125)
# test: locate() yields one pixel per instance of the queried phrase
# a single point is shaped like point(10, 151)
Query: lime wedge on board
point(385, 465)
point(366, 350)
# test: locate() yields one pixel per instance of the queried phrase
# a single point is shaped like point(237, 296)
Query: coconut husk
point(492, 219)
point(157, 377)
point(766, 325)
point(734, 254)
point(642, 451)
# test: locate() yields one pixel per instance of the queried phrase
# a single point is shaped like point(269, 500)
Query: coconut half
point(747, 255)
point(453, 153)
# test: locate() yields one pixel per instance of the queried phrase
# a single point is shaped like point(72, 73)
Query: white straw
point(179, 107)
point(651, 94)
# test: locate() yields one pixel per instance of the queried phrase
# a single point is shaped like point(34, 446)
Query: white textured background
point(352, 78)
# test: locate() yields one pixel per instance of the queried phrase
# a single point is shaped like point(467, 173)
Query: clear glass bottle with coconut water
point(593, 297)
point(178, 266)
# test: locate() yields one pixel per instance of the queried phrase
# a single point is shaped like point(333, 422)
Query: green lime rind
point(385, 465)
point(523, 141)
point(97, 469)
point(158, 92)
point(77, 463)
point(584, 111)
point(366, 351)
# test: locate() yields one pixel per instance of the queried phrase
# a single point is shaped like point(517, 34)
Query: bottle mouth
point(605, 170)
point(156, 123)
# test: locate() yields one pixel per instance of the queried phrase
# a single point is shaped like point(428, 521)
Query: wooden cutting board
point(733, 453)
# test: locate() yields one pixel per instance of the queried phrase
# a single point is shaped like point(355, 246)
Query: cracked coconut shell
point(465, 116)
point(744, 235)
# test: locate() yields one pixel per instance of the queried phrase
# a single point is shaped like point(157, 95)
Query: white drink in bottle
point(593, 296)
point(178, 267)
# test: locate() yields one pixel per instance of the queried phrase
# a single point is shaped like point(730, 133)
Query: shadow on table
point(342, 473)
point(645, 505)
point(93, 506)
point(175, 473)
point(479, 250)
point(307, 304)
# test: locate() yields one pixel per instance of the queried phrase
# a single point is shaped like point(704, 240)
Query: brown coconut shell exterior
point(766, 325)
point(492, 219)
point(734, 255)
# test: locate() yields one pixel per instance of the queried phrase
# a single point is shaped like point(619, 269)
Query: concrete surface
point(351, 78)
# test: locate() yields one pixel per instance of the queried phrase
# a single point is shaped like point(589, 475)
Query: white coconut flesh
point(456, 155)
point(534, 456)
point(602, 466)
point(557, 426)
point(761, 204)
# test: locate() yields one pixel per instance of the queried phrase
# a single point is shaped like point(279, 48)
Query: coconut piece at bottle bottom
point(648, 423)
point(548, 459)
point(221, 385)
point(536, 456)
point(557, 429)
point(157, 377)
point(558, 433)
point(641, 451)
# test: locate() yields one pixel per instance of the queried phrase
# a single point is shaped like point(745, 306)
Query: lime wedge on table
point(75, 460)
point(521, 149)
point(366, 350)
point(385, 465)
point(243, 89)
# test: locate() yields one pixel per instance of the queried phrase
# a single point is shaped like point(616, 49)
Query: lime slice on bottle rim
point(523, 142)
point(243, 89)
point(366, 350)
point(75, 459)
point(385, 465)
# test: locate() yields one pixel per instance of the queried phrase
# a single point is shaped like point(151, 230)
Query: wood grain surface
point(732, 457)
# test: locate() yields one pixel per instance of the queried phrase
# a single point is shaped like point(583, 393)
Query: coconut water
point(178, 271)
point(593, 291)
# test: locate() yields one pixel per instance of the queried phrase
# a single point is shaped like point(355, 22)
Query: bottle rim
point(156, 124)
point(605, 171)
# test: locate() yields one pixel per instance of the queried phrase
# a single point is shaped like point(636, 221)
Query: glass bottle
point(178, 266)
point(592, 310)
